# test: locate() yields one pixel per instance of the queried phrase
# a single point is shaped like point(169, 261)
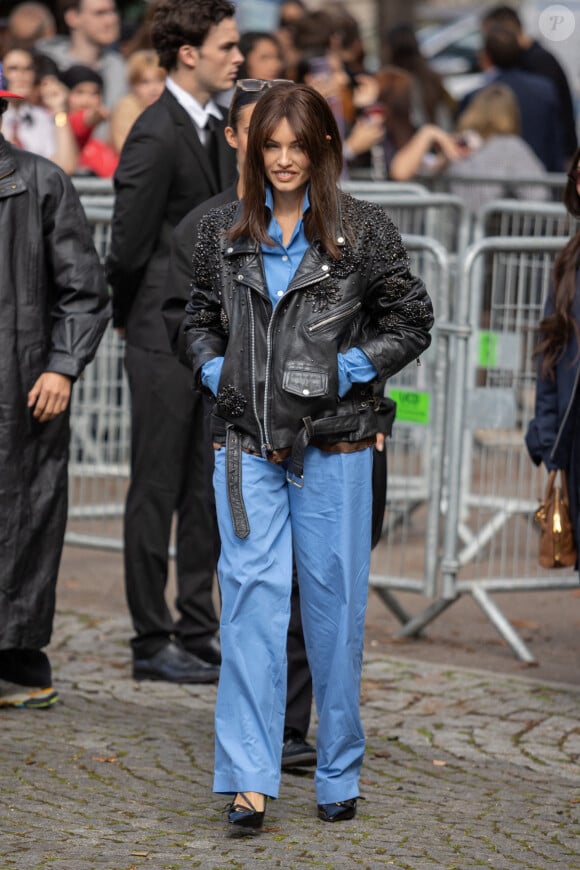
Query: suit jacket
point(163, 173)
point(180, 272)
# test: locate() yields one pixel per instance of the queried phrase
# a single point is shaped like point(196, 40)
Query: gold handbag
point(557, 544)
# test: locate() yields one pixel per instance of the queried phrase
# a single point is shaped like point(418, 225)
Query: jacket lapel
point(187, 129)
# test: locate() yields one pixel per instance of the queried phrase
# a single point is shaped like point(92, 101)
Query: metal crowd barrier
point(462, 490)
point(100, 449)
point(553, 183)
point(92, 186)
point(492, 487)
point(415, 451)
point(508, 217)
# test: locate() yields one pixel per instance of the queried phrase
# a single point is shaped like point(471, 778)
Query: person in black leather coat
point(55, 308)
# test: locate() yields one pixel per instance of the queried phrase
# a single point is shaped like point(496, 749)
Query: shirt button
point(284, 258)
point(240, 277)
point(326, 267)
point(280, 293)
point(230, 251)
point(305, 392)
point(340, 240)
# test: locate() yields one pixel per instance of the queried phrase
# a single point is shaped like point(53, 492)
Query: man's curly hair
point(185, 22)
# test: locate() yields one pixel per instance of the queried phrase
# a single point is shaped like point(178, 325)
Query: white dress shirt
point(198, 113)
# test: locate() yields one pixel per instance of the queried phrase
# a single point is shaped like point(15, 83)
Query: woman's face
point(264, 60)
point(286, 164)
point(149, 87)
point(238, 138)
point(19, 73)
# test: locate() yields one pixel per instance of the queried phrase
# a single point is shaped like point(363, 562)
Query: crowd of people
point(84, 87)
point(262, 311)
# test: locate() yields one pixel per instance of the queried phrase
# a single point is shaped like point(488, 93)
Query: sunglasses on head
point(574, 175)
point(256, 85)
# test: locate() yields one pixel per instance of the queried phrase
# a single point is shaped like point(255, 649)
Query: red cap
point(7, 95)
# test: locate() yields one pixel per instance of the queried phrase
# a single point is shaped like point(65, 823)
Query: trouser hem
point(223, 785)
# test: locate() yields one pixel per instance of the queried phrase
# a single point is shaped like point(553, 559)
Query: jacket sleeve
point(81, 307)
point(399, 310)
point(142, 183)
point(179, 277)
point(543, 428)
point(205, 330)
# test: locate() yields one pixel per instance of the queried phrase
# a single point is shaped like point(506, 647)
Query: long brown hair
point(314, 126)
point(557, 328)
point(396, 96)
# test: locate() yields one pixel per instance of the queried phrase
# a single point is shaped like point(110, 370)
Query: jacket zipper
point(253, 376)
point(332, 318)
point(266, 443)
point(567, 414)
point(292, 287)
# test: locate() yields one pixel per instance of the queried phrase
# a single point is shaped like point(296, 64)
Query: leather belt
point(238, 513)
point(340, 425)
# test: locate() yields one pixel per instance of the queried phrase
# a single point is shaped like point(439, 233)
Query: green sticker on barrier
point(487, 350)
point(412, 406)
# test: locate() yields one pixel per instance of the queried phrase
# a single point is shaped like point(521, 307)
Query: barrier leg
point(413, 627)
point(391, 602)
point(503, 625)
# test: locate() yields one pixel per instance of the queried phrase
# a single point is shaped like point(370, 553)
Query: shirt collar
point(198, 113)
point(269, 201)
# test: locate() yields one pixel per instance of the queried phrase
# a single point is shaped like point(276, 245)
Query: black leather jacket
point(280, 373)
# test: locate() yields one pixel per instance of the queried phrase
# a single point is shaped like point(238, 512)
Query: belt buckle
point(296, 480)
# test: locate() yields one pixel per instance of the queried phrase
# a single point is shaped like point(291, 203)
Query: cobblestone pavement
point(463, 769)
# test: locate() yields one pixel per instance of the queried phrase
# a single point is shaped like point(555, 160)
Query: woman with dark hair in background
point(301, 297)
point(262, 56)
point(553, 435)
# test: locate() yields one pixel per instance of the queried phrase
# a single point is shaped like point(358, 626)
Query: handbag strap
point(564, 483)
point(550, 485)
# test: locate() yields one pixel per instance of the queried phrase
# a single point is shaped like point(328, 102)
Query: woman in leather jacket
point(554, 433)
point(302, 301)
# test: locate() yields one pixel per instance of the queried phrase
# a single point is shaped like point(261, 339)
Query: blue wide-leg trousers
point(328, 523)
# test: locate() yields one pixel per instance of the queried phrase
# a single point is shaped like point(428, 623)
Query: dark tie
point(212, 133)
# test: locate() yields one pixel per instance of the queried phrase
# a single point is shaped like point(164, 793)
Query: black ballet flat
point(245, 815)
point(338, 812)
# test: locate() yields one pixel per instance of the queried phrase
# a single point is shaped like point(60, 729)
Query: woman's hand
point(49, 396)
point(365, 133)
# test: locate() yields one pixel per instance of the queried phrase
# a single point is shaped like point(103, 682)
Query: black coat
point(281, 367)
point(554, 432)
point(163, 173)
point(55, 308)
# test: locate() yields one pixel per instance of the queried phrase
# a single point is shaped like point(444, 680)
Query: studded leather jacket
point(279, 379)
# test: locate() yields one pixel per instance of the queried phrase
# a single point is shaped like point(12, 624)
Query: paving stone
point(462, 770)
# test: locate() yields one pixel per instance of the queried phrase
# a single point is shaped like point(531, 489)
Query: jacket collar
point(11, 181)
point(182, 120)
point(245, 245)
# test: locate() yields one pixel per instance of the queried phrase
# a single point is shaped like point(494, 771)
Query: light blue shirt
point(280, 265)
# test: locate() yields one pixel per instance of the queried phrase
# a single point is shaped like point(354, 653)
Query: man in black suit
point(175, 158)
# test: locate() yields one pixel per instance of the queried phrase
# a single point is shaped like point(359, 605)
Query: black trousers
point(171, 465)
point(299, 689)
